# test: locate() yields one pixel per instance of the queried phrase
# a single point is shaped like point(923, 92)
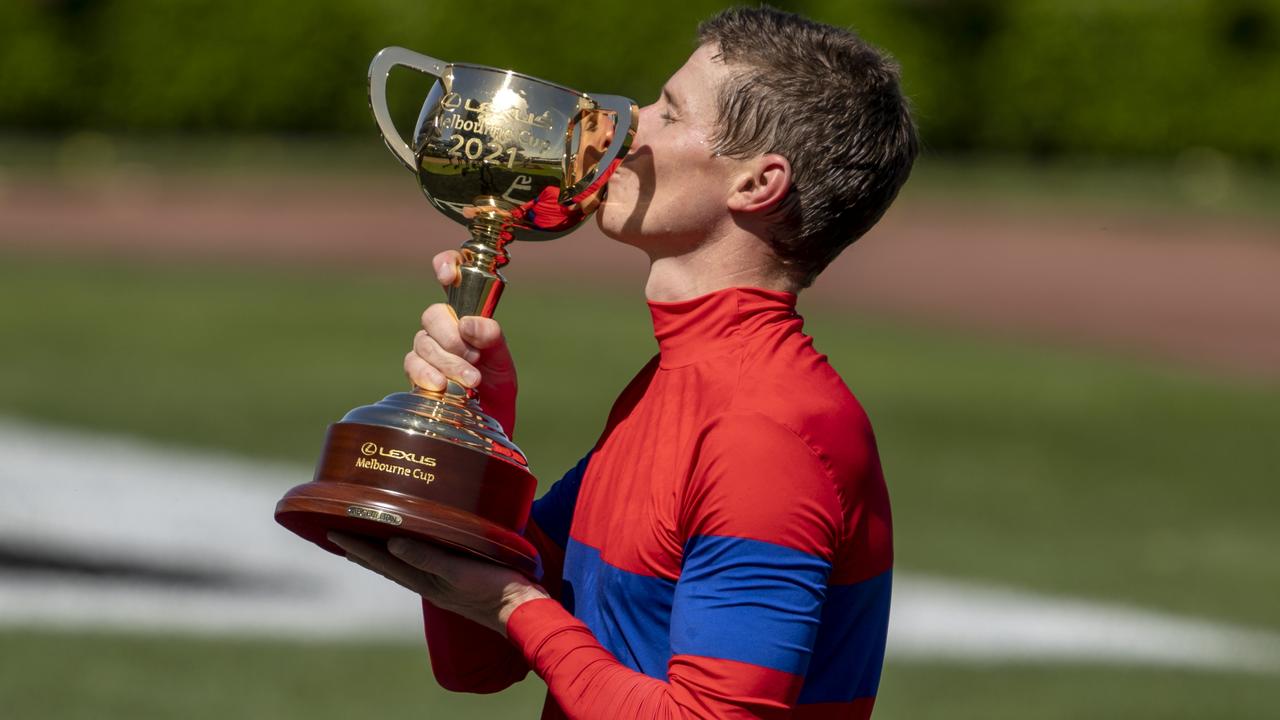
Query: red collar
point(708, 325)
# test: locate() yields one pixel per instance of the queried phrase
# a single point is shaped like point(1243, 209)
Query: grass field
point(95, 676)
point(1029, 467)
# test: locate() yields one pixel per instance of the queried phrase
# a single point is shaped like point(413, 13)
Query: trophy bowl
point(511, 157)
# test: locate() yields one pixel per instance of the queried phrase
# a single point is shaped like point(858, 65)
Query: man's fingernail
point(471, 356)
point(470, 377)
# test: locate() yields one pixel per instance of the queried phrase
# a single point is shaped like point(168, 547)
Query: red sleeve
point(759, 511)
point(468, 657)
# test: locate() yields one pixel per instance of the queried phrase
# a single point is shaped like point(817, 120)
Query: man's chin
point(608, 223)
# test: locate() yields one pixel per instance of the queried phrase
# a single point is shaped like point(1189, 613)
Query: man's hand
point(471, 351)
point(479, 591)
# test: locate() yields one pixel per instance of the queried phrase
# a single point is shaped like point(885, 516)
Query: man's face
point(670, 191)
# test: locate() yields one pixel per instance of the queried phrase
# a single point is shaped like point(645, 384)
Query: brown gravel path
point(1197, 291)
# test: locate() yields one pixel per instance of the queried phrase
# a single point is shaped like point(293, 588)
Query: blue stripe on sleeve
point(554, 510)
point(750, 601)
point(627, 612)
point(849, 653)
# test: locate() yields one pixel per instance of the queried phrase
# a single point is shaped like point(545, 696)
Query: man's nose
point(646, 119)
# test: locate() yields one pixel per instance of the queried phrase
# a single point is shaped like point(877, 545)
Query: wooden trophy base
point(383, 482)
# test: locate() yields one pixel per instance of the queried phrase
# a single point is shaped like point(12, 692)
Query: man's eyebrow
point(671, 99)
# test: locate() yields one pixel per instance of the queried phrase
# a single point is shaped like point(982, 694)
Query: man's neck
point(714, 265)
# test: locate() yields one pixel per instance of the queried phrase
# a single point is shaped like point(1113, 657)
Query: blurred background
point(1066, 332)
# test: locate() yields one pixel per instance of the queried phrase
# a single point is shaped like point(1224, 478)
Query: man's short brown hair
point(830, 103)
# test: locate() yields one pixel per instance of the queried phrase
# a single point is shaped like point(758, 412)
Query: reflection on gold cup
point(513, 158)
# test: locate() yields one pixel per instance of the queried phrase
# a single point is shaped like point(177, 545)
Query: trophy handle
point(624, 131)
point(386, 59)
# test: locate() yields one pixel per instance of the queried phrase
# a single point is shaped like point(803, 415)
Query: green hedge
point(279, 65)
point(1137, 77)
point(1149, 77)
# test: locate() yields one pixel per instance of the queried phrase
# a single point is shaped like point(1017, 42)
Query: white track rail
point(185, 542)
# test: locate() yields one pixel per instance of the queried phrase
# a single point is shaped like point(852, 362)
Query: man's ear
point(762, 184)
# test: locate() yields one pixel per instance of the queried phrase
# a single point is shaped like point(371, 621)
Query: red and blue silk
point(724, 551)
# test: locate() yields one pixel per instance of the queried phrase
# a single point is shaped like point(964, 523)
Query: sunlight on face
point(670, 192)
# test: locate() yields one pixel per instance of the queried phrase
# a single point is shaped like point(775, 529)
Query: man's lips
point(622, 169)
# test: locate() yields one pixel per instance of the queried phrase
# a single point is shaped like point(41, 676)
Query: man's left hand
point(479, 591)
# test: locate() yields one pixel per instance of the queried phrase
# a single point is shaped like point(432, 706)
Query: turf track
point(1172, 284)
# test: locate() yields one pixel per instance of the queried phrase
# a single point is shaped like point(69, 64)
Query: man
point(725, 548)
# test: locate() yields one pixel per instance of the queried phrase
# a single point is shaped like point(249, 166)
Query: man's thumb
point(482, 333)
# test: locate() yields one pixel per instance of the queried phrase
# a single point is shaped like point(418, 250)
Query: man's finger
point(369, 556)
point(447, 363)
point(441, 323)
point(351, 543)
point(356, 559)
point(375, 558)
point(486, 334)
point(423, 556)
point(446, 266)
point(422, 373)
point(480, 332)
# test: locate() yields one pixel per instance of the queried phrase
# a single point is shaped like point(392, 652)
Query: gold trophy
point(513, 158)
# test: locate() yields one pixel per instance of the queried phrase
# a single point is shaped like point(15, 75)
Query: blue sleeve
point(553, 512)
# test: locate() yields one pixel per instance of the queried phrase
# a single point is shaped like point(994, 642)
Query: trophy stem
point(479, 283)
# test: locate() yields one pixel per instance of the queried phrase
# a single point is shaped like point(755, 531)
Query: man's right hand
point(471, 351)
